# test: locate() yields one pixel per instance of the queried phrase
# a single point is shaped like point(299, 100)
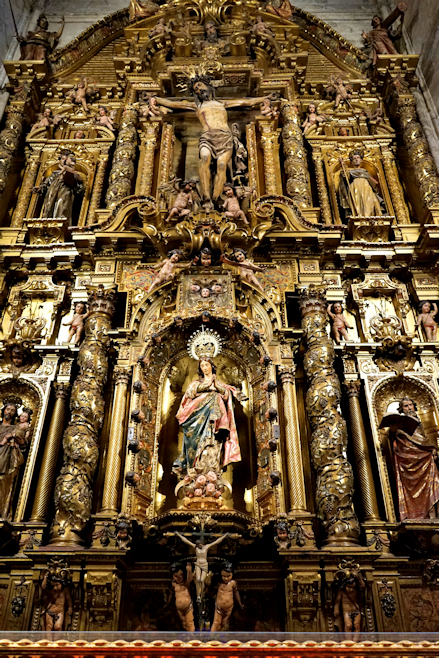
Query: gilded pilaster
point(270, 147)
point(122, 170)
point(51, 451)
point(252, 157)
point(296, 480)
point(297, 184)
point(98, 186)
point(113, 471)
point(396, 192)
point(147, 150)
point(33, 162)
point(73, 491)
point(335, 479)
point(321, 185)
point(166, 153)
point(361, 452)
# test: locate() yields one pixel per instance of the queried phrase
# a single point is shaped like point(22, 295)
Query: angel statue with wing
point(182, 197)
point(82, 92)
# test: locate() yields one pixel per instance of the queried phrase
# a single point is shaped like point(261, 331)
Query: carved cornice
point(94, 38)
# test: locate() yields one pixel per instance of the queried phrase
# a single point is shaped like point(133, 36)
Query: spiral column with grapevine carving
point(421, 161)
point(73, 491)
point(9, 141)
point(335, 479)
point(296, 168)
point(122, 170)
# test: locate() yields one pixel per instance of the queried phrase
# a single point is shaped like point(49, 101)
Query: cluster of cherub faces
point(203, 485)
point(204, 291)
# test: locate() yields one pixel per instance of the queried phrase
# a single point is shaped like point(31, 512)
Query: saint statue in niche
point(61, 188)
point(210, 438)
point(417, 476)
point(358, 189)
point(14, 439)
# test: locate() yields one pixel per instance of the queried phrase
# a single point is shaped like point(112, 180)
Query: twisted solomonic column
point(73, 490)
point(335, 479)
point(296, 167)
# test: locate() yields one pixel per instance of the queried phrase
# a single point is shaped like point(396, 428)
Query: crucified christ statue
point(216, 139)
point(201, 564)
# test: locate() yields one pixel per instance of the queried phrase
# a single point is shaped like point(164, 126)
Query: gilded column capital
point(287, 374)
point(121, 375)
point(102, 300)
point(312, 300)
point(352, 389)
point(62, 390)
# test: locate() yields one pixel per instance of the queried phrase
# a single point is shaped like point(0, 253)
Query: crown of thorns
point(192, 81)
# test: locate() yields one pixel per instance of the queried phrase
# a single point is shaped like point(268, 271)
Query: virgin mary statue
point(210, 439)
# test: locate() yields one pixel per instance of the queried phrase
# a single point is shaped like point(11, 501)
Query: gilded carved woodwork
point(122, 171)
point(9, 141)
point(335, 479)
point(73, 491)
point(110, 466)
point(297, 182)
point(422, 165)
point(361, 452)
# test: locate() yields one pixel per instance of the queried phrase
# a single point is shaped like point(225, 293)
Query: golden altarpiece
point(179, 202)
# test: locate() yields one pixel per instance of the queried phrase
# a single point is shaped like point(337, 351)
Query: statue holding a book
point(416, 471)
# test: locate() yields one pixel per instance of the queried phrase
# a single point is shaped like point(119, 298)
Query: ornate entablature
point(218, 336)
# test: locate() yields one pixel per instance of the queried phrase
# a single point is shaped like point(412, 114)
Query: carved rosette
point(298, 185)
point(335, 480)
point(73, 491)
point(122, 171)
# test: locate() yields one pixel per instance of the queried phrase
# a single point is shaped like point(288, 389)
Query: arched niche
point(24, 393)
point(165, 373)
point(385, 398)
point(175, 379)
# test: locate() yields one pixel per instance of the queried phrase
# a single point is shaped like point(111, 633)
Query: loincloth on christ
point(217, 141)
